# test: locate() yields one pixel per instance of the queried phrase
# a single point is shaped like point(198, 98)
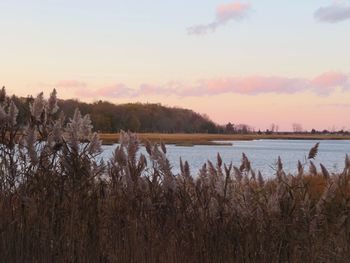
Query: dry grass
point(209, 139)
point(58, 205)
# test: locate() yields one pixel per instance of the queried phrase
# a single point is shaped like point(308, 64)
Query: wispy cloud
point(322, 85)
point(326, 82)
point(334, 13)
point(224, 13)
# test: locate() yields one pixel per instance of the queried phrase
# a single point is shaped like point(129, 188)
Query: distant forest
point(137, 117)
point(107, 117)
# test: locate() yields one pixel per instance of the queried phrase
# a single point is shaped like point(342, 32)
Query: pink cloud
point(81, 90)
point(323, 84)
point(330, 79)
point(253, 85)
point(326, 82)
point(224, 13)
point(235, 11)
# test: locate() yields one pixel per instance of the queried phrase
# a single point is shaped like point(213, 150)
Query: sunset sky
point(255, 62)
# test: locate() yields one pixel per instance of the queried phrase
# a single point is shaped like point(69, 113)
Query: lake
point(261, 153)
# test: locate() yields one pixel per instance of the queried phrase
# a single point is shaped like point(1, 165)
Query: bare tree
point(297, 127)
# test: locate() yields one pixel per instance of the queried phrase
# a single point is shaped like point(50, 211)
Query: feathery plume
point(95, 144)
point(347, 162)
point(324, 171)
point(162, 145)
point(52, 106)
point(238, 174)
point(30, 141)
point(261, 180)
point(148, 147)
point(313, 151)
point(2, 95)
point(245, 165)
point(86, 126)
point(13, 113)
point(312, 168)
point(279, 165)
point(219, 160)
point(300, 169)
point(37, 107)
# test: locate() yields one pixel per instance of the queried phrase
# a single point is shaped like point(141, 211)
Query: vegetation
point(212, 139)
point(136, 117)
point(58, 204)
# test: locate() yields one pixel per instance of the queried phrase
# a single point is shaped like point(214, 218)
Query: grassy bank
point(210, 139)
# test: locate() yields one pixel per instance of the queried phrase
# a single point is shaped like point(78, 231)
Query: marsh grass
point(211, 139)
point(57, 204)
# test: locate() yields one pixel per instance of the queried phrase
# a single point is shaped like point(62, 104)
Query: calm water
point(262, 154)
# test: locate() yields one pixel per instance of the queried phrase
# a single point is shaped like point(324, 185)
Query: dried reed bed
point(209, 139)
point(58, 205)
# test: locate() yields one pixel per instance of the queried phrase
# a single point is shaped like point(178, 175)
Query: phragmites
point(312, 168)
point(185, 169)
point(2, 95)
point(85, 126)
point(79, 129)
point(52, 106)
point(347, 162)
point(261, 180)
point(313, 151)
point(279, 165)
point(132, 208)
point(3, 115)
point(57, 133)
point(245, 164)
point(37, 107)
point(162, 145)
point(219, 160)
point(30, 141)
point(13, 113)
point(148, 147)
point(238, 174)
point(300, 169)
point(124, 138)
point(324, 171)
point(95, 145)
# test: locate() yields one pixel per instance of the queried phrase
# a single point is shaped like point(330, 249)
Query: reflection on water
point(262, 154)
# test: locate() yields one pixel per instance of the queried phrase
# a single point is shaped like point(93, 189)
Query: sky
point(253, 62)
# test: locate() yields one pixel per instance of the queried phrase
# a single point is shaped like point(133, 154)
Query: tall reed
point(58, 204)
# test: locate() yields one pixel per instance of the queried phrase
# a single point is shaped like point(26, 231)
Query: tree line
point(136, 117)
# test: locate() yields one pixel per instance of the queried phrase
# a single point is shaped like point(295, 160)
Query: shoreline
point(191, 139)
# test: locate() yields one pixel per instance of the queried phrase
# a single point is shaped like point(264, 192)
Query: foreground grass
point(58, 204)
point(210, 139)
point(79, 211)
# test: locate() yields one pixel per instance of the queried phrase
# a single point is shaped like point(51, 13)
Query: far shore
point(191, 139)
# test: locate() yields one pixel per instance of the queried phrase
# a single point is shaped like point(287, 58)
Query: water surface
point(262, 154)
